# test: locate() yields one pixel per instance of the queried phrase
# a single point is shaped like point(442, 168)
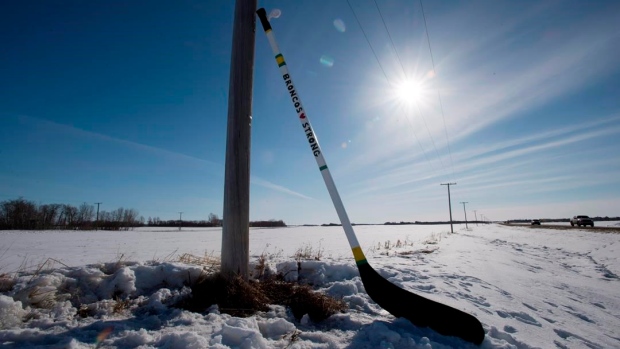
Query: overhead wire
point(368, 41)
point(405, 74)
point(428, 39)
point(390, 83)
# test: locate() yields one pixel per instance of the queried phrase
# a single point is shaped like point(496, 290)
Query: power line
point(390, 36)
point(389, 82)
point(402, 67)
point(428, 39)
point(368, 41)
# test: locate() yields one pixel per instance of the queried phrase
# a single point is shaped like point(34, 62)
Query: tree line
point(21, 214)
point(24, 214)
point(212, 221)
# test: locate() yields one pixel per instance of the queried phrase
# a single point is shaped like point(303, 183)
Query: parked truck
point(581, 220)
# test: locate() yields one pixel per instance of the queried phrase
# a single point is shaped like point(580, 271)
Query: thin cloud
point(78, 132)
point(412, 172)
point(534, 78)
point(537, 148)
point(269, 185)
point(216, 168)
point(543, 135)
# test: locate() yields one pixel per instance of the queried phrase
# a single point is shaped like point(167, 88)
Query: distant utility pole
point(465, 214)
point(449, 205)
point(180, 220)
point(476, 217)
point(97, 220)
point(235, 256)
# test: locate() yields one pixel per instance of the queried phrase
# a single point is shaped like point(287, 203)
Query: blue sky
point(125, 103)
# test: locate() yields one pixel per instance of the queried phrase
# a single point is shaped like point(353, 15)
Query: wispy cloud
point(544, 135)
point(78, 132)
point(216, 169)
point(529, 76)
point(269, 185)
point(511, 154)
point(514, 163)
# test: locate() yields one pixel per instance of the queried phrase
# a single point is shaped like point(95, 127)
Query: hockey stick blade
point(421, 311)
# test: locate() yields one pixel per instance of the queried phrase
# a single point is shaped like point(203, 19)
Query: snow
point(530, 287)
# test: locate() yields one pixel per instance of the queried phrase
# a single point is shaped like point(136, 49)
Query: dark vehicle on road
point(535, 222)
point(582, 220)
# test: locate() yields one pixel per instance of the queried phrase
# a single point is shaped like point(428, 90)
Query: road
point(568, 227)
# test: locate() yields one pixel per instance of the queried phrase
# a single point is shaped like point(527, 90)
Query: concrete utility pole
point(449, 205)
point(475, 215)
point(97, 220)
point(180, 220)
point(235, 255)
point(466, 227)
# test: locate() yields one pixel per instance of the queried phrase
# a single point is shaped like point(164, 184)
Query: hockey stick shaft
point(313, 141)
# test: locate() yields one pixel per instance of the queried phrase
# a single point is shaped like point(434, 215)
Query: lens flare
point(327, 61)
point(103, 335)
point(339, 25)
point(275, 13)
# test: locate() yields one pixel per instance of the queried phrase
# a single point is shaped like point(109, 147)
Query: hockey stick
point(420, 311)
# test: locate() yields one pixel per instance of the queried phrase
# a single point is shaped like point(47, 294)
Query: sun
point(409, 91)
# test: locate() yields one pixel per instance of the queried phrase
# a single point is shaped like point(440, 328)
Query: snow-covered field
point(530, 287)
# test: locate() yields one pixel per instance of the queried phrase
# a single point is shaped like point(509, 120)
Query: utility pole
point(180, 220)
point(235, 256)
point(476, 217)
point(449, 205)
point(466, 227)
point(97, 220)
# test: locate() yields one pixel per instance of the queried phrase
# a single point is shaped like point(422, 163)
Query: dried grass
point(7, 282)
point(238, 297)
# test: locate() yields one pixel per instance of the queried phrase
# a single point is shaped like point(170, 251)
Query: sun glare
point(409, 91)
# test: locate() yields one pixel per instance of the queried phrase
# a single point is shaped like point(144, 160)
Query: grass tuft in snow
point(209, 263)
point(7, 282)
point(241, 298)
point(307, 252)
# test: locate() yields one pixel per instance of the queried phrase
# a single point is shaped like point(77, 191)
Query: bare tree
point(48, 214)
point(130, 218)
point(214, 220)
point(85, 215)
point(19, 214)
point(117, 215)
point(69, 214)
